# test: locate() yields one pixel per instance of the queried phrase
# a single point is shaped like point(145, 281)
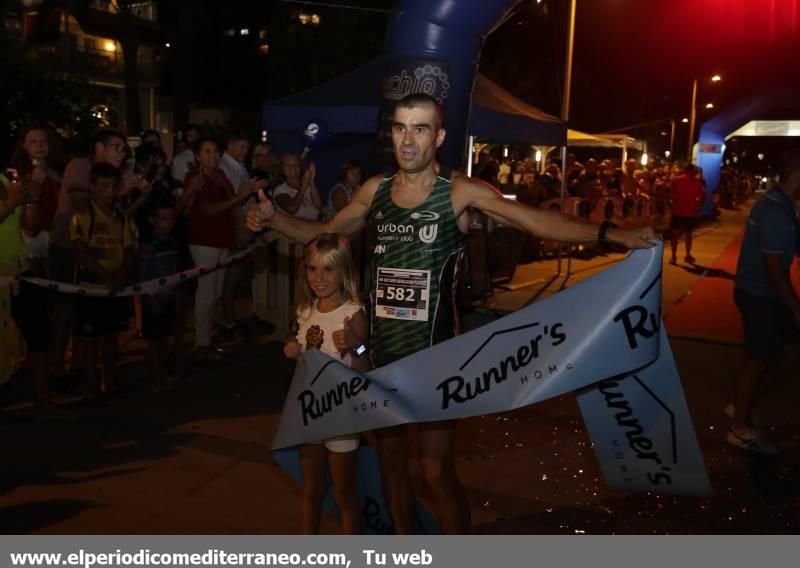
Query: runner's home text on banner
point(603, 337)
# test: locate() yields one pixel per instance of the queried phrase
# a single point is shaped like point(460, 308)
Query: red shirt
point(49, 202)
point(687, 195)
point(216, 230)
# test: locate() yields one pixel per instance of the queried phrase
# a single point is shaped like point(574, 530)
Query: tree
point(74, 108)
point(129, 39)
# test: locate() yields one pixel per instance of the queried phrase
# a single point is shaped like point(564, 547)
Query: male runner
point(419, 219)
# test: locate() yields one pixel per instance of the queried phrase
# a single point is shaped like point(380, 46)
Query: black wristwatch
point(602, 233)
point(359, 350)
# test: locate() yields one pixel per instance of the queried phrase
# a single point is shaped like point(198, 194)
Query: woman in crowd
point(297, 195)
point(265, 164)
point(211, 233)
point(341, 194)
point(33, 165)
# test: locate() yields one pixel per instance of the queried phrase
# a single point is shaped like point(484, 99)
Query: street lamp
point(710, 105)
point(684, 120)
point(693, 112)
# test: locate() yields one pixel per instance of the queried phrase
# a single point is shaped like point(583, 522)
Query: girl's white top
point(328, 323)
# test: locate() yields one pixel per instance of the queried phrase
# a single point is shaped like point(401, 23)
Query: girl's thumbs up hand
point(345, 339)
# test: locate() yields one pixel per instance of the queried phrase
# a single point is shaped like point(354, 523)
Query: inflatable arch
point(433, 47)
point(710, 148)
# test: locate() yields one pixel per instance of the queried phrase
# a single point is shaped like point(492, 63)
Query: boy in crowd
point(158, 257)
point(103, 240)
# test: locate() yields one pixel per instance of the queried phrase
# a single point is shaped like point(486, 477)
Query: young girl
point(331, 318)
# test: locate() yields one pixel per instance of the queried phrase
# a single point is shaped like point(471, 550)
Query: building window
point(263, 49)
point(245, 31)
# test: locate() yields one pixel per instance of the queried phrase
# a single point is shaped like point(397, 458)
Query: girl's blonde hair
point(334, 251)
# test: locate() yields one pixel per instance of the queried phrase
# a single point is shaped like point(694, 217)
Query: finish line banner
point(602, 337)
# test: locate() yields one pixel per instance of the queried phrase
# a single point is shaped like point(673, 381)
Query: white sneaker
point(729, 410)
point(751, 440)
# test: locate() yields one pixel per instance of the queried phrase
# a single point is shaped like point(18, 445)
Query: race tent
point(349, 105)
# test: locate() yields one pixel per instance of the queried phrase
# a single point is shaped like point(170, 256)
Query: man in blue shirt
point(768, 303)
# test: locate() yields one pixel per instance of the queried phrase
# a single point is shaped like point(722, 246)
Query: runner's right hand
point(259, 216)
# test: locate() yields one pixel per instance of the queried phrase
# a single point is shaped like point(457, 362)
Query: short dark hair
point(347, 166)
point(415, 100)
point(191, 126)
point(106, 135)
point(145, 152)
point(161, 201)
point(789, 164)
point(204, 140)
point(150, 132)
point(104, 170)
point(236, 135)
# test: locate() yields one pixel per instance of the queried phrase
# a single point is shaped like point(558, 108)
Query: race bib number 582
point(403, 294)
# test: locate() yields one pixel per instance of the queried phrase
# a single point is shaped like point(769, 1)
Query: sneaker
point(751, 440)
point(729, 410)
point(690, 259)
point(673, 260)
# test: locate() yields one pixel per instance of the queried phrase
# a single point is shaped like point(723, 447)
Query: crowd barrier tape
point(147, 287)
point(602, 338)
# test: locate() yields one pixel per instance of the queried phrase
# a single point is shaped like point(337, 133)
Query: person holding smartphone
point(151, 186)
point(31, 166)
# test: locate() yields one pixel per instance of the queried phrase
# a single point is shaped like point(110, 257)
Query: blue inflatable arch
point(433, 47)
point(713, 133)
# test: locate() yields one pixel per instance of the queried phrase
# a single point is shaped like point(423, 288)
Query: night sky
point(634, 60)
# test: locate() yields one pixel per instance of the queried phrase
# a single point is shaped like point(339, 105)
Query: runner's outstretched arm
point(348, 221)
point(539, 222)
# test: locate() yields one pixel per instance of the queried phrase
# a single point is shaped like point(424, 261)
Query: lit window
point(263, 49)
point(262, 34)
point(244, 31)
point(230, 32)
point(304, 18)
point(109, 46)
point(315, 19)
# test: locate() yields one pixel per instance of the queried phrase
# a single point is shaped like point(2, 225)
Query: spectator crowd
point(121, 215)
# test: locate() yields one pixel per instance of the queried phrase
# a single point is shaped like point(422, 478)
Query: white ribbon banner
point(147, 287)
point(603, 337)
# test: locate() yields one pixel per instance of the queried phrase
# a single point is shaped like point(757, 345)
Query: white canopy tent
point(621, 141)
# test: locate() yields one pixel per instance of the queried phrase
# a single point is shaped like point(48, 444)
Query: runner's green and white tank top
point(416, 260)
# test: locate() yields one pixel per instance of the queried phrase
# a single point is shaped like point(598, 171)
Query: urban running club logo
point(405, 232)
point(428, 79)
point(427, 234)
